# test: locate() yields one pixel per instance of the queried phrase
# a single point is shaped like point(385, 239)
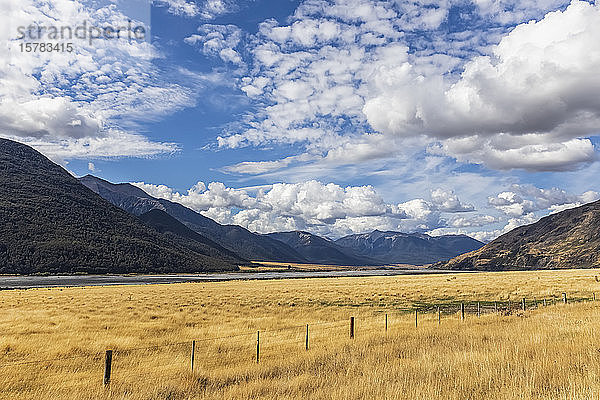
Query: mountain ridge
point(50, 223)
point(319, 250)
point(416, 248)
point(408, 248)
point(246, 244)
point(567, 239)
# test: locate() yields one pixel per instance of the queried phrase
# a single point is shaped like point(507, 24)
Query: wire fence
point(126, 364)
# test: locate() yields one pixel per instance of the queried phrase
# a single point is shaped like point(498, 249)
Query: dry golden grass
point(548, 353)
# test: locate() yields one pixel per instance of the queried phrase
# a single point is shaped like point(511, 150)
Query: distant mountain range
point(408, 248)
point(248, 245)
point(568, 239)
point(318, 250)
point(375, 248)
point(50, 223)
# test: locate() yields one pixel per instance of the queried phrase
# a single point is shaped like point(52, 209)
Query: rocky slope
point(568, 239)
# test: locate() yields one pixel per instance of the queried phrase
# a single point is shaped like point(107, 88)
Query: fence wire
point(276, 341)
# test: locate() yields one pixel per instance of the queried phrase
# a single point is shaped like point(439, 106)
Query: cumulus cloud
point(527, 199)
point(456, 227)
point(326, 209)
point(515, 11)
point(517, 206)
point(337, 71)
point(218, 40)
point(529, 152)
point(180, 7)
point(475, 221)
point(448, 201)
point(334, 211)
point(527, 105)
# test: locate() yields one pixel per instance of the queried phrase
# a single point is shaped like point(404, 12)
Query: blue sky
point(333, 116)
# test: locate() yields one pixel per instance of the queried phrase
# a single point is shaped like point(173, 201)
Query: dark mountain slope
point(408, 248)
point(167, 225)
point(318, 250)
point(50, 223)
point(569, 239)
point(248, 245)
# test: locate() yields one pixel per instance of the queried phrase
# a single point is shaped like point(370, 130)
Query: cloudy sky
point(331, 116)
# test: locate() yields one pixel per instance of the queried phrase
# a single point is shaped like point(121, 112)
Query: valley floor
point(255, 273)
point(53, 341)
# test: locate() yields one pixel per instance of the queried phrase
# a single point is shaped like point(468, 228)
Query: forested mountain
point(169, 226)
point(50, 223)
point(248, 245)
point(568, 239)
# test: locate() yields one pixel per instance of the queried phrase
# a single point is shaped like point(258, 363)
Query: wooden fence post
point(307, 337)
point(478, 309)
point(545, 304)
point(193, 353)
point(524, 306)
point(462, 311)
point(594, 296)
point(386, 323)
point(496, 307)
point(107, 366)
point(439, 315)
point(351, 327)
point(564, 296)
point(416, 318)
point(257, 346)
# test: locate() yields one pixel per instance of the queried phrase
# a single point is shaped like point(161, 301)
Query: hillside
point(408, 248)
point(318, 250)
point(169, 226)
point(50, 223)
point(569, 239)
point(248, 245)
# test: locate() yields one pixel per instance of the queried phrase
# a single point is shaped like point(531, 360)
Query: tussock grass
point(546, 353)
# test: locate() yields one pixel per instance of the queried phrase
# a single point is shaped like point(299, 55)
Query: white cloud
point(527, 199)
point(336, 70)
point(91, 167)
point(326, 209)
point(76, 102)
point(334, 211)
point(515, 11)
point(475, 221)
point(525, 106)
point(533, 152)
point(218, 40)
point(263, 167)
point(448, 201)
point(486, 235)
point(180, 7)
point(205, 9)
point(112, 143)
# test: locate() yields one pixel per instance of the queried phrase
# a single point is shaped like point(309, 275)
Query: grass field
point(52, 341)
